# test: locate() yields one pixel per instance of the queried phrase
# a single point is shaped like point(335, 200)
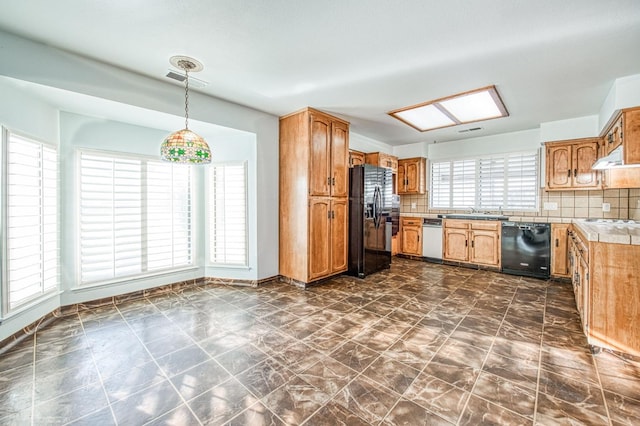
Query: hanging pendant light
point(185, 146)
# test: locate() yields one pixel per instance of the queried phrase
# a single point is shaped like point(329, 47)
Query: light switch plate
point(606, 207)
point(413, 206)
point(550, 206)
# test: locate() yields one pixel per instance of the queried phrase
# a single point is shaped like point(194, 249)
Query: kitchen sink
point(473, 216)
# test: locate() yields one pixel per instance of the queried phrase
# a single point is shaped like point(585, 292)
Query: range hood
point(614, 159)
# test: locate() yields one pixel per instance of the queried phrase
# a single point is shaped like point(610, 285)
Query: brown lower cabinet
point(559, 250)
point(328, 235)
point(475, 241)
point(411, 236)
point(605, 283)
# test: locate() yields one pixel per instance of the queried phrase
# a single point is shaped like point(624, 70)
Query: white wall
point(26, 113)
point(420, 149)
point(575, 128)
point(366, 144)
point(526, 140)
point(624, 93)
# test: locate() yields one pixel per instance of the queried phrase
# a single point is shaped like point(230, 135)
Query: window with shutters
point(508, 181)
point(227, 214)
point(135, 216)
point(30, 220)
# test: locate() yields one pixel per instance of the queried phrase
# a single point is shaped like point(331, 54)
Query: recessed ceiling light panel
point(468, 107)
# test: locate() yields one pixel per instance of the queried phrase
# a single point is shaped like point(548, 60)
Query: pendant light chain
point(186, 98)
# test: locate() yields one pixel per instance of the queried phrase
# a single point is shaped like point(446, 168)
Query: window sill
point(123, 280)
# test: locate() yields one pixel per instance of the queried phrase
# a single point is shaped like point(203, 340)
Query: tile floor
point(417, 344)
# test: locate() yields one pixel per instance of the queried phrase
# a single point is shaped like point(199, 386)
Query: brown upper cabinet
point(381, 159)
point(411, 175)
point(568, 164)
point(313, 195)
point(356, 158)
point(624, 129)
point(329, 153)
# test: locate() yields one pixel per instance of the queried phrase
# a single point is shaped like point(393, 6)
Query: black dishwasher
point(526, 249)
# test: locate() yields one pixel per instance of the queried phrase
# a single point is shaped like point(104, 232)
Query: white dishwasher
point(432, 238)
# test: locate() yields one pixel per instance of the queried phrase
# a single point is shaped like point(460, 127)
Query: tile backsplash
point(624, 204)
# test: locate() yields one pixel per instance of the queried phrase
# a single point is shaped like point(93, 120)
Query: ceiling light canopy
point(185, 146)
point(468, 107)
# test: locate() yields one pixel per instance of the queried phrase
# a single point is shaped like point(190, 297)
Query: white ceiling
point(550, 60)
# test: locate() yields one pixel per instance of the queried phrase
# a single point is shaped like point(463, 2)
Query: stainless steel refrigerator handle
point(376, 206)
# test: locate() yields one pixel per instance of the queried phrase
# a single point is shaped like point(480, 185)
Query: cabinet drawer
point(457, 224)
point(486, 225)
point(411, 221)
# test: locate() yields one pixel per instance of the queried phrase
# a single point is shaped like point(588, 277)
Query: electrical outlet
point(414, 206)
point(638, 205)
point(550, 206)
point(606, 207)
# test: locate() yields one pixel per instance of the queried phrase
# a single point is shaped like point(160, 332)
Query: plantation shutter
point(228, 214)
point(32, 262)
point(135, 216)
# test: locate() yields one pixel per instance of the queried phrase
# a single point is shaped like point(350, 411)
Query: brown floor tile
point(420, 343)
point(438, 397)
point(482, 412)
point(503, 393)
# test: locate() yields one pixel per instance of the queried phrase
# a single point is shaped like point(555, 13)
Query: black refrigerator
point(373, 219)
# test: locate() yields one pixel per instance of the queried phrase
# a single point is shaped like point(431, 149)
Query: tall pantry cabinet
point(314, 178)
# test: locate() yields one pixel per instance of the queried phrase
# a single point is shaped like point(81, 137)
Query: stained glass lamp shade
point(186, 147)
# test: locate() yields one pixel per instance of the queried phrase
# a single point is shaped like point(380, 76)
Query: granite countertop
point(610, 232)
point(532, 219)
point(615, 232)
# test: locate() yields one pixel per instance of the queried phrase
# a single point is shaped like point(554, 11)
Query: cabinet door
point(584, 155)
point(356, 158)
point(630, 136)
point(583, 295)
point(339, 235)
point(411, 240)
point(319, 238)
point(559, 249)
point(412, 172)
point(613, 138)
point(320, 156)
point(484, 248)
point(456, 245)
point(339, 159)
point(389, 161)
point(402, 179)
point(559, 167)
